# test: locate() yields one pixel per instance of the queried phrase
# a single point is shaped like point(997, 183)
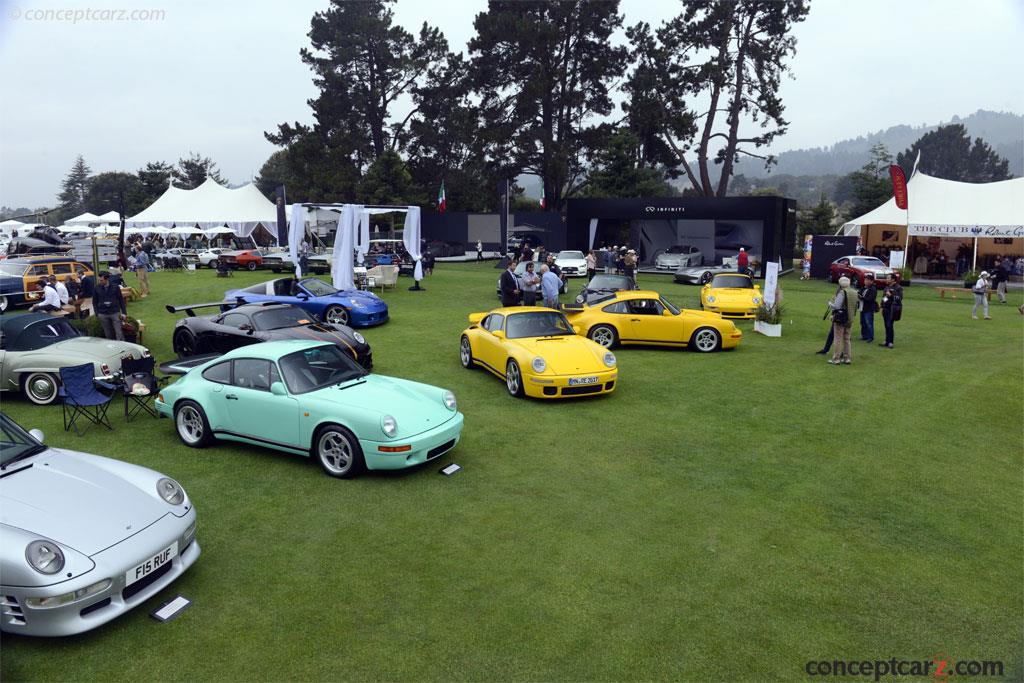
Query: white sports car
point(572, 263)
point(83, 538)
point(679, 256)
point(207, 258)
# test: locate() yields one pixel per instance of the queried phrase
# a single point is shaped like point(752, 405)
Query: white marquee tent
point(84, 219)
point(210, 205)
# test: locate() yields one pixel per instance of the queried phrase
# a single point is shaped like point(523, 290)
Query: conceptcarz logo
point(664, 209)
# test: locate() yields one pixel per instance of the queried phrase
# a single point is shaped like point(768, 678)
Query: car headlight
point(448, 398)
point(170, 491)
point(45, 557)
point(389, 425)
point(358, 337)
point(609, 359)
point(711, 299)
point(355, 303)
point(756, 300)
point(539, 365)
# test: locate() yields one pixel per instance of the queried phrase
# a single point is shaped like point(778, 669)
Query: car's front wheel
point(192, 425)
point(336, 315)
point(514, 379)
point(213, 264)
point(3, 303)
point(251, 265)
point(705, 277)
point(605, 335)
point(466, 353)
point(41, 388)
point(338, 452)
point(706, 340)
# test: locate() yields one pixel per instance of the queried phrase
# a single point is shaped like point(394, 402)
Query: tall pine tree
point(73, 189)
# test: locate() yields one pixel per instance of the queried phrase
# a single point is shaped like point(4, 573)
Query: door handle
point(231, 397)
point(634, 320)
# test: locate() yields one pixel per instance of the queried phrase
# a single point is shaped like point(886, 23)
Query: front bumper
point(16, 616)
point(425, 446)
point(557, 386)
point(365, 318)
point(730, 312)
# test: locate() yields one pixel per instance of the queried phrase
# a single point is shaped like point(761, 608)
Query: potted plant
point(905, 274)
point(970, 277)
point(91, 327)
point(768, 320)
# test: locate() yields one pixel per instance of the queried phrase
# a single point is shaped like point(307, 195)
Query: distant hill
point(1004, 131)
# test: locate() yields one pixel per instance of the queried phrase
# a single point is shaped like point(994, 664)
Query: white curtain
point(341, 266)
point(363, 243)
point(593, 231)
point(411, 239)
point(296, 232)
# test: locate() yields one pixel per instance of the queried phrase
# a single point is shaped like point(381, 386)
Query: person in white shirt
point(980, 290)
point(50, 302)
point(62, 290)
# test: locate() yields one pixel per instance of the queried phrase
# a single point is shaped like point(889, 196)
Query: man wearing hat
point(843, 307)
point(980, 290)
point(629, 264)
point(741, 261)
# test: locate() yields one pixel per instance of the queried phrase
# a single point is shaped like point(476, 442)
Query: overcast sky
point(210, 77)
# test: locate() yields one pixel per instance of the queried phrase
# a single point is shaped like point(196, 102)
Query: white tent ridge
point(211, 205)
point(947, 208)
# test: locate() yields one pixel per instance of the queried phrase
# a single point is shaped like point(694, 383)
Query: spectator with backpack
point(892, 310)
point(843, 308)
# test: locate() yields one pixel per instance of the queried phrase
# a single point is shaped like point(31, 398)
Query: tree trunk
point(734, 112)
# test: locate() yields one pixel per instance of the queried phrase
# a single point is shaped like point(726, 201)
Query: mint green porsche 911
point(308, 397)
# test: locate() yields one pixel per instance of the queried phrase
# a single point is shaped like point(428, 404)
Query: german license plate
point(575, 381)
point(151, 565)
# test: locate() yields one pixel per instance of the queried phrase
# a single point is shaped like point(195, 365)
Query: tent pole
point(974, 260)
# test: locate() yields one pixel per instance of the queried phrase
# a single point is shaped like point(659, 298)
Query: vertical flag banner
point(543, 198)
point(899, 186)
point(442, 200)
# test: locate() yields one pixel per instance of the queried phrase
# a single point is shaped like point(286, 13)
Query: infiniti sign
point(664, 209)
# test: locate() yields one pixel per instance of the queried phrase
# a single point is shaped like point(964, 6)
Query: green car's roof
point(272, 350)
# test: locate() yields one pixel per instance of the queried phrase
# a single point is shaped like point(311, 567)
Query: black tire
point(706, 277)
point(191, 424)
point(40, 387)
point(338, 452)
point(831, 276)
point(275, 270)
point(251, 265)
point(706, 340)
point(514, 379)
point(4, 303)
point(605, 335)
point(336, 315)
point(184, 343)
point(466, 353)
point(213, 264)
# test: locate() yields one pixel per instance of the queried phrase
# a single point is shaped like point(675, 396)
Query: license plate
point(574, 381)
point(151, 565)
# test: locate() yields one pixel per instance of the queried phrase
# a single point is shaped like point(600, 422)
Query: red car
point(251, 259)
point(856, 267)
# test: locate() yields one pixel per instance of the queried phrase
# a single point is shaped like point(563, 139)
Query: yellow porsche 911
point(731, 294)
point(643, 317)
point(537, 352)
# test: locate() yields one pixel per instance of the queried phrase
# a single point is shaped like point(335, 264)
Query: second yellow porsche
point(538, 353)
point(644, 317)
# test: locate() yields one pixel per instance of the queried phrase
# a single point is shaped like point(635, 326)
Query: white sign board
point(896, 259)
point(83, 250)
point(771, 283)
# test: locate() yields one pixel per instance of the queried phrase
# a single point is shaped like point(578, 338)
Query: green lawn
point(719, 517)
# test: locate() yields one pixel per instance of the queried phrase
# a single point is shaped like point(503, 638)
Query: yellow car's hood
point(565, 354)
point(734, 295)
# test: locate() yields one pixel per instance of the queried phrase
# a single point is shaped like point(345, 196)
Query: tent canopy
point(84, 219)
point(949, 208)
point(210, 205)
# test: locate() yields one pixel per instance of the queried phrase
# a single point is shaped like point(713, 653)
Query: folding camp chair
point(140, 386)
point(82, 399)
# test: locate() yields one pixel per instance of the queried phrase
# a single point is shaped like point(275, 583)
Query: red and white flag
point(442, 201)
point(899, 185)
point(543, 198)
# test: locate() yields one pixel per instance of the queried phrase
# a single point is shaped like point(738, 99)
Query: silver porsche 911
point(83, 538)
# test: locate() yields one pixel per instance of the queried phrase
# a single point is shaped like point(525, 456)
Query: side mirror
point(303, 296)
point(37, 434)
point(500, 334)
point(277, 389)
point(246, 327)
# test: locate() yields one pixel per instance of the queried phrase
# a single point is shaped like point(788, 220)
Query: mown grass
point(719, 517)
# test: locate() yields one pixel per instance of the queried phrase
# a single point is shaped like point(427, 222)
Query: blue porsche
point(353, 307)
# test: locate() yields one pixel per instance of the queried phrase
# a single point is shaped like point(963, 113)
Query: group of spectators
point(614, 259)
point(545, 281)
point(848, 304)
point(81, 294)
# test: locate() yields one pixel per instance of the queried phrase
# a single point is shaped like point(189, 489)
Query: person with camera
point(868, 296)
point(843, 306)
point(892, 309)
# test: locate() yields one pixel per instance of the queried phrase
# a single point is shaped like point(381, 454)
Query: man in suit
point(510, 285)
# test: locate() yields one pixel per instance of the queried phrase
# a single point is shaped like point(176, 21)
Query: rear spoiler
point(180, 366)
point(222, 305)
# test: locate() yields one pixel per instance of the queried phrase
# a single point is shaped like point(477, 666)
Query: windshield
point(318, 287)
point(732, 281)
point(666, 304)
point(15, 442)
point(278, 318)
point(540, 324)
point(571, 255)
point(612, 282)
point(12, 269)
point(318, 367)
point(868, 262)
point(41, 334)
point(677, 249)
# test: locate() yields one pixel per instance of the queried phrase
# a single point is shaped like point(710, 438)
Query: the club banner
point(967, 231)
point(899, 185)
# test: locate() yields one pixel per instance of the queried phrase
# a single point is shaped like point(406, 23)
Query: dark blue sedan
point(353, 307)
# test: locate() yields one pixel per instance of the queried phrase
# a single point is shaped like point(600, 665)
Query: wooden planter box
point(768, 329)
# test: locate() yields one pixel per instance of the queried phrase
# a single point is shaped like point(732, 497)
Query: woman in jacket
point(843, 308)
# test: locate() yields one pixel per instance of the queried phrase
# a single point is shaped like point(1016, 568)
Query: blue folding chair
point(82, 398)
